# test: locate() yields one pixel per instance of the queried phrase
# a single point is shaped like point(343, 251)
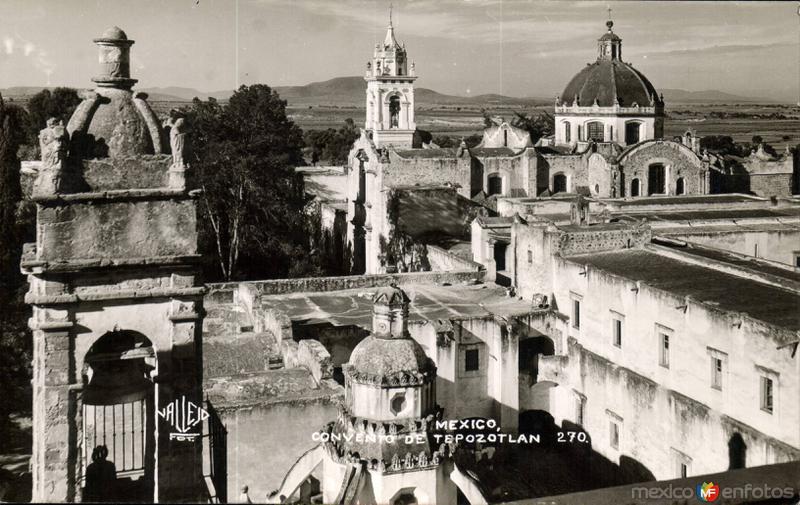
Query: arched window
point(394, 112)
point(680, 187)
point(594, 131)
point(634, 187)
point(559, 183)
point(656, 179)
point(567, 133)
point(495, 185)
point(632, 132)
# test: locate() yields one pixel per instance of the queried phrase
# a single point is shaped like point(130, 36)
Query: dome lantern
point(114, 58)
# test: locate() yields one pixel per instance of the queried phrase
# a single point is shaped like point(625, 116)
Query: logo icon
point(707, 491)
point(183, 415)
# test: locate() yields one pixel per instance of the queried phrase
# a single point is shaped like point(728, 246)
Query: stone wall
point(771, 184)
point(319, 284)
point(442, 260)
point(125, 228)
point(420, 170)
point(679, 160)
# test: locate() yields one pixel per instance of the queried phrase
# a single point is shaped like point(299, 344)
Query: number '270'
point(572, 436)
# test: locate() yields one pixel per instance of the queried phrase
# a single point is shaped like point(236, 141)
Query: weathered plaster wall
point(674, 405)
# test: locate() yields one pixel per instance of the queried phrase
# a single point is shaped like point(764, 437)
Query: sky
point(462, 47)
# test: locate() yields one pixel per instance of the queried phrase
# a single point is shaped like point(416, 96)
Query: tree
point(59, 103)
point(15, 341)
point(541, 125)
point(252, 205)
point(332, 145)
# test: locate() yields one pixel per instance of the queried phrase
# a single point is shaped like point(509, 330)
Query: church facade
point(608, 143)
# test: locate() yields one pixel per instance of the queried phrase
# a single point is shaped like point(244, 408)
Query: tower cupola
point(609, 46)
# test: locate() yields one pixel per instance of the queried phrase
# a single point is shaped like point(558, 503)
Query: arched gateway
point(117, 305)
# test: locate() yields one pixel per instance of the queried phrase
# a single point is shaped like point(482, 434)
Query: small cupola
point(609, 46)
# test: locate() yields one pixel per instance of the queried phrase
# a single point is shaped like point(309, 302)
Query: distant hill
point(350, 91)
point(707, 96)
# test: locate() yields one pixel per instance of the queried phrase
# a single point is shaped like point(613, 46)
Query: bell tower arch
point(390, 93)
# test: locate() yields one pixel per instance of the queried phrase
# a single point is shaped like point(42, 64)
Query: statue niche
point(53, 143)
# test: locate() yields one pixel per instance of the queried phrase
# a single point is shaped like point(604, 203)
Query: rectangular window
point(716, 372)
point(684, 470)
point(580, 410)
point(796, 258)
point(567, 133)
point(616, 328)
point(614, 434)
point(472, 360)
point(576, 313)
point(664, 355)
point(530, 256)
point(767, 399)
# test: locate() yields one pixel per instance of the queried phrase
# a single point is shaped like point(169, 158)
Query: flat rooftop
point(739, 260)
point(428, 302)
point(772, 305)
point(678, 200)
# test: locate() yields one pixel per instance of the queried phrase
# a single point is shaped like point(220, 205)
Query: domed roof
point(114, 33)
point(382, 360)
point(607, 81)
point(390, 295)
point(114, 123)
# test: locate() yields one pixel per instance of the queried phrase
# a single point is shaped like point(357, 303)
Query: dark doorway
point(737, 452)
point(656, 179)
point(529, 352)
point(680, 186)
point(500, 255)
point(635, 187)
point(495, 185)
point(632, 133)
point(394, 112)
point(559, 183)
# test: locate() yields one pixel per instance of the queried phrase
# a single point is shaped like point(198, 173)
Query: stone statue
point(53, 143)
point(177, 133)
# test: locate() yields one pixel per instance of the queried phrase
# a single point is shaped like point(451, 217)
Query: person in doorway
point(101, 477)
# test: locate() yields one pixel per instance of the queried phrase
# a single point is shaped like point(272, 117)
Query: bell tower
point(390, 93)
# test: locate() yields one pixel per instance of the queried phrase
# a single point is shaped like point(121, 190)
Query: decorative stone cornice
point(393, 380)
point(124, 294)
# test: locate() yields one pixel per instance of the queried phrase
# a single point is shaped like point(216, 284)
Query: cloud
point(34, 55)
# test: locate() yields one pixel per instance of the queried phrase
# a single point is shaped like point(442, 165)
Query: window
point(580, 133)
point(616, 328)
point(767, 398)
point(567, 133)
point(576, 312)
point(530, 256)
point(472, 360)
point(663, 359)
point(796, 258)
point(580, 409)
point(656, 179)
point(755, 251)
point(398, 403)
point(684, 470)
point(716, 372)
point(631, 133)
point(394, 112)
point(594, 131)
point(613, 434)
